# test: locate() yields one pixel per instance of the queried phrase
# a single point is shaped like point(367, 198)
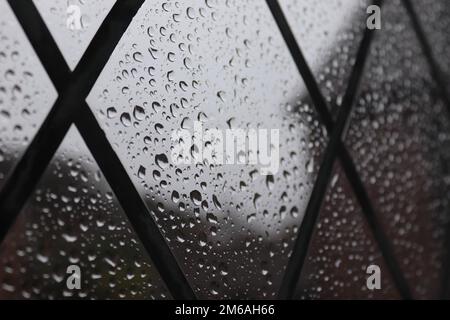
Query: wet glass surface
point(341, 249)
point(434, 17)
point(399, 140)
point(73, 24)
point(223, 64)
point(26, 93)
point(329, 33)
point(73, 218)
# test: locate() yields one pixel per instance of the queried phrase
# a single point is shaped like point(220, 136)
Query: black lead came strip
point(69, 108)
point(334, 148)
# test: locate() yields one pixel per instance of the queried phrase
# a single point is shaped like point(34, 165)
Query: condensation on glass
point(399, 140)
point(224, 64)
point(74, 219)
point(341, 250)
point(26, 93)
point(435, 20)
point(329, 33)
point(73, 24)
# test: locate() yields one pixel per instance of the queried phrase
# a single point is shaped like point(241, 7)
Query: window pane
point(26, 93)
point(341, 249)
point(329, 33)
point(224, 65)
point(73, 218)
point(434, 16)
point(73, 24)
point(399, 138)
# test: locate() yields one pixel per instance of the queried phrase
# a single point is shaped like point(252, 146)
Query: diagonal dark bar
point(30, 167)
point(43, 44)
point(73, 89)
point(439, 79)
point(133, 205)
point(335, 148)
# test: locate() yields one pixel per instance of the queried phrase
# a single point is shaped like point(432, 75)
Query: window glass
point(73, 24)
point(329, 33)
point(224, 65)
point(434, 17)
point(26, 93)
point(74, 220)
point(399, 139)
point(341, 250)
